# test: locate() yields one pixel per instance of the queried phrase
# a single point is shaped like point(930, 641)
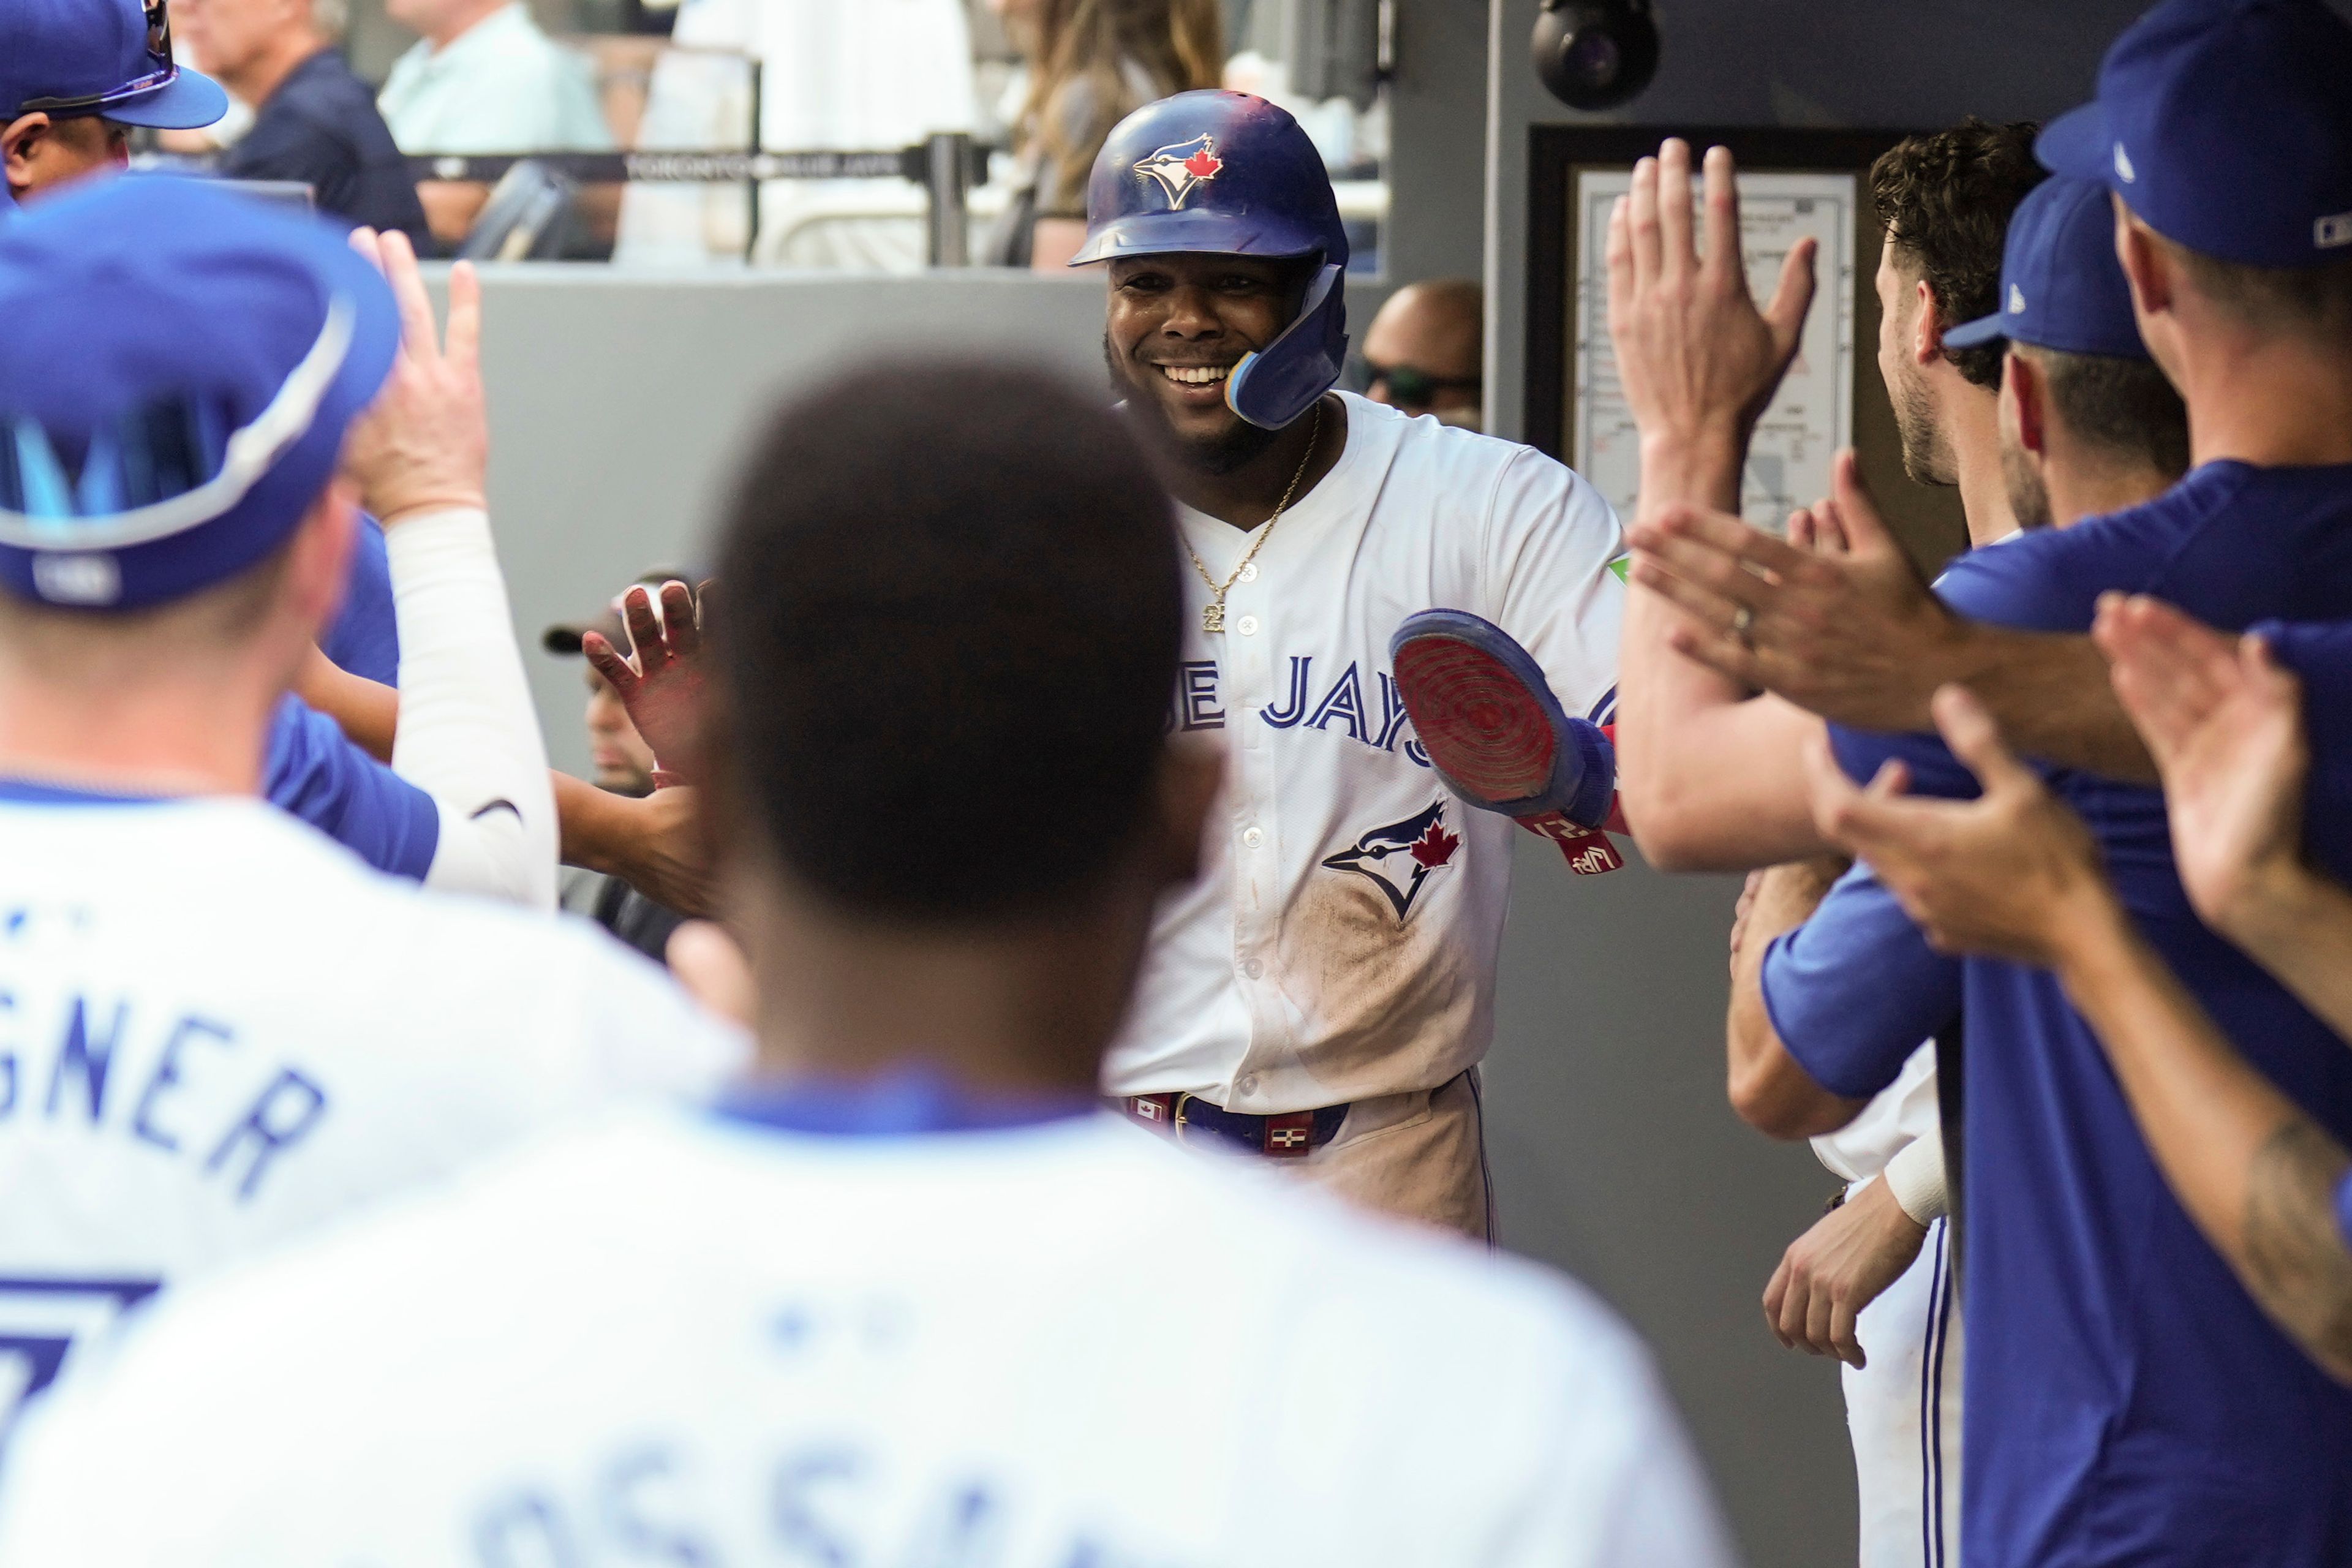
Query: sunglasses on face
point(161, 69)
point(1410, 388)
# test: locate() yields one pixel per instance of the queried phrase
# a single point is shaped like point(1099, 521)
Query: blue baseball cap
point(2225, 126)
point(101, 56)
point(2060, 284)
point(180, 367)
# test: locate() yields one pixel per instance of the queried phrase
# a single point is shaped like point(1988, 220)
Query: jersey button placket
point(1247, 657)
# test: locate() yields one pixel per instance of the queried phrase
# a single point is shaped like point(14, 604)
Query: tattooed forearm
point(2296, 1261)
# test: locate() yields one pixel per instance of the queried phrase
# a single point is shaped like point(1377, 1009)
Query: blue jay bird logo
point(1182, 167)
point(1399, 857)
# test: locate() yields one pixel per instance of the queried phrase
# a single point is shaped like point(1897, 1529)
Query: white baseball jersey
point(217, 1028)
point(1340, 942)
point(1903, 1113)
point(696, 1339)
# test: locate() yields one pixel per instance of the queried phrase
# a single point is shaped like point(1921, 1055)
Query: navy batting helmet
point(1224, 173)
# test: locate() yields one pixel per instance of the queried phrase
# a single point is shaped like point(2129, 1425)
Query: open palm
point(660, 681)
point(2225, 723)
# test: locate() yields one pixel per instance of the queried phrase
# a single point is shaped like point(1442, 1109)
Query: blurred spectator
point(313, 120)
point(622, 763)
point(484, 78)
point(870, 74)
point(1091, 63)
point(618, 757)
point(1424, 349)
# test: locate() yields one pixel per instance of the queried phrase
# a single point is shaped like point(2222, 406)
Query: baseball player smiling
point(1324, 993)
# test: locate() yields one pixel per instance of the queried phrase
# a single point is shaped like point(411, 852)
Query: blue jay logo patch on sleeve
point(1398, 859)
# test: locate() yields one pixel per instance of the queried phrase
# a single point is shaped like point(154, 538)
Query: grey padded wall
point(618, 403)
point(1616, 1157)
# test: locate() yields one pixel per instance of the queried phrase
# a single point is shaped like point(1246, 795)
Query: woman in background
point(1090, 64)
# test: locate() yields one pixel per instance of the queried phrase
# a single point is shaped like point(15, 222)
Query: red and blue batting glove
point(1498, 737)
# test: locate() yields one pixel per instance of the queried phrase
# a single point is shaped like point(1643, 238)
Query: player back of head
point(2219, 129)
point(911, 1290)
point(944, 703)
point(221, 1028)
point(170, 538)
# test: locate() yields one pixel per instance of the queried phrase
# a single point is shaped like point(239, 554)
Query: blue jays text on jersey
point(1340, 706)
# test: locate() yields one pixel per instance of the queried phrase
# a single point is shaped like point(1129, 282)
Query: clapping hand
point(2012, 874)
point(662, 685)
point(2225, 725)
point(1835, 619)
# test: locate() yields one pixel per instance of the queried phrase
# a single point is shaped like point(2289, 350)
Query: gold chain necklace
point(1212, 613)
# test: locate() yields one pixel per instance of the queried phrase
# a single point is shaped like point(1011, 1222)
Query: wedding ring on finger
point(1742, 619)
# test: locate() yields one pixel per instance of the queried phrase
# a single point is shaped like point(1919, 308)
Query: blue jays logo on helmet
point(1178, 170)
point(1399, 857)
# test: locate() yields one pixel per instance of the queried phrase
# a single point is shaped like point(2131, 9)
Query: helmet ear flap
point(1280, 382)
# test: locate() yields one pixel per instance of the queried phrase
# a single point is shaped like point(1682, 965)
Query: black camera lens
point(1594, 59)
point(1595, 54)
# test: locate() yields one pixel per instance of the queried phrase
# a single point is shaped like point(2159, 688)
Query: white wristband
point(1915, 1179)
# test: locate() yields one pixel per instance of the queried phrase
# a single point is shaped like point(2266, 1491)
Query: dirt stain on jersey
point(1374, 988)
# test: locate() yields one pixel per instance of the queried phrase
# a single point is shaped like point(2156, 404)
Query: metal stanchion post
point(948, 168)
point(757, 140)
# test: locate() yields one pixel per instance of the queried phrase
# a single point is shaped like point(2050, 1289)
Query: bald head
point(1424, 346)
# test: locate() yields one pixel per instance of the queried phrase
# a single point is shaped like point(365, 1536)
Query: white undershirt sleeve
point(468, 734)
point(1915, 1177)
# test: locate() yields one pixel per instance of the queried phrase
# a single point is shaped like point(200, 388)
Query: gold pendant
point(1213, 616)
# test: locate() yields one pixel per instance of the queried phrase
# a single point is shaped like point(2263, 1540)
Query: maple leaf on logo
point(1203, 164)
point(1437, 847)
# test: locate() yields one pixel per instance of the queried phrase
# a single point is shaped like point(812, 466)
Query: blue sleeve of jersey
point(316, 774)
point(1853, 990)
point(2343, 1207)
point(2321, 658)
point(365, 638)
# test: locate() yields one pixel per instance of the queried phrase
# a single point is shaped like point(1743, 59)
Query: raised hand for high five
point(2225, 725)
point(662, 685)
point(424, 443)
point(1698, 359)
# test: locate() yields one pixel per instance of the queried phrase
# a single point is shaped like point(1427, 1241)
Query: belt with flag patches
point(1291, 1135)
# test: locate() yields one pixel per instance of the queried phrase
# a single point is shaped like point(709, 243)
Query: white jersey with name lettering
point(217, 1028)
point(730, 1337)
point(1340, 943)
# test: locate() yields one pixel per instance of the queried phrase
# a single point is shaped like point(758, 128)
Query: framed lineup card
point(1792, 184)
